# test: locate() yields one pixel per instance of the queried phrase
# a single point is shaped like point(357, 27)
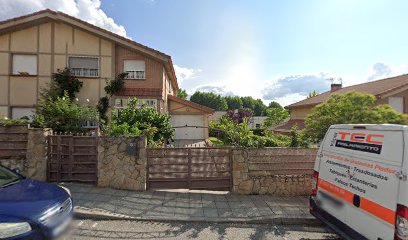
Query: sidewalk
point(191, 206)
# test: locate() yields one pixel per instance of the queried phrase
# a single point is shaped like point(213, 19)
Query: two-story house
point(35, 46)
point(393, 91)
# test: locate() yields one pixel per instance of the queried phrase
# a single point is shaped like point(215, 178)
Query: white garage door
point(182, 132)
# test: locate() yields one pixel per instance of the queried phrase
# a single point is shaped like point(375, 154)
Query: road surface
point(91, 229)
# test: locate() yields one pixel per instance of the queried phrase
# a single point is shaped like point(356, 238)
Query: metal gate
point(189, 168)
point(72, 158)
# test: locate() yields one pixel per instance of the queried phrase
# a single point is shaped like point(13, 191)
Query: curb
point(80, 213)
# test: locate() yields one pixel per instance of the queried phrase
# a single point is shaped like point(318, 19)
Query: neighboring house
point(393, 91)
point(255, 122)
point(34, 46)
point(217, 115)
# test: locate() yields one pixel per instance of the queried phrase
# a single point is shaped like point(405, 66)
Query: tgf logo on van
point(362, 137)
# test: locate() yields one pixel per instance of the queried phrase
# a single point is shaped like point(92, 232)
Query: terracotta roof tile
point(287, 126)
point(377, 88)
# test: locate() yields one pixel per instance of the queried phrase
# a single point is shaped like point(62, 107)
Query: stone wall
point(37, 153)
point(24, 148)
point(118, 169)
point(275, 171)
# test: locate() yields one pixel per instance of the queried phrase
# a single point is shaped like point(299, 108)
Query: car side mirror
point(17, 170)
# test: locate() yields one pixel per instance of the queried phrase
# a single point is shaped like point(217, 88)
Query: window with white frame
point(123, 102)
point(84, 66)
point(24, 64)
point(134, 68)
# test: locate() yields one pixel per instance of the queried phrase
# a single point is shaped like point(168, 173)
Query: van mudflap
point(344, 231)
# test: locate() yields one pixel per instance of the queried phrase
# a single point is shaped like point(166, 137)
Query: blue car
point(31, 209)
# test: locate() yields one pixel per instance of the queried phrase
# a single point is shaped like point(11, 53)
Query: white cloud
point(296, 85)
point(381, 70)
point(290, 89)
point(87, 10)
point(221, 90)
point(185, 73)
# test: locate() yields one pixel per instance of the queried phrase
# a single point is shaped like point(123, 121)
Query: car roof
point(382, 127)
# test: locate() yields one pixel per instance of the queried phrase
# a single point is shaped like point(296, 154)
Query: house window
point(20, 112)
point(24, 64)
point(397, 103)
point(134, 68)
point(123, 102)
point(147, 102)
point(84, 66)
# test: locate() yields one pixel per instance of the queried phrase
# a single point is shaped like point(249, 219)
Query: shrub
point(4, 121)
point(134, 121)
point(63, 114)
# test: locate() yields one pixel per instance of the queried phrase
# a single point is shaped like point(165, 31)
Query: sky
point(272, 50)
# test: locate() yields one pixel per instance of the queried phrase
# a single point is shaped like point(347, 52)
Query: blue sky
point(273, 50)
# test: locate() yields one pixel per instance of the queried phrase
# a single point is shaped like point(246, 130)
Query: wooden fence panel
point(72, 158)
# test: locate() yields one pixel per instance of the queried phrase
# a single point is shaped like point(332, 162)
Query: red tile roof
point(377, 88)
point(287, 126)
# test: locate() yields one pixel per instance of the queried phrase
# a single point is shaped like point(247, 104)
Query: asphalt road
point(90, 229)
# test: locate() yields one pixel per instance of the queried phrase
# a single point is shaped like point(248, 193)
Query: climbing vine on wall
point(114, 86)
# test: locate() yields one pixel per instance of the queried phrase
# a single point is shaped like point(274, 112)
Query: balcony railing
point(85, 72)
point(135, 75)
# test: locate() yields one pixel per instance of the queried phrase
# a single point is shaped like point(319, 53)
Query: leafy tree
point(349, 108)
point(182, 94)
point(62, 82)
point(211, 100)
point(259, 108)
point(134, 121)
point(274, 104)
point(240, 135)
point(275, 116)
point(248, 102)
point(314, 93)
point(241, 115)
point(233, 102)
point(63, 114)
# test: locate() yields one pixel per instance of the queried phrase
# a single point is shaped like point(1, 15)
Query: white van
point(360, 186)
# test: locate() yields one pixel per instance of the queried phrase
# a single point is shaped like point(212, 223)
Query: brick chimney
point(335, 86)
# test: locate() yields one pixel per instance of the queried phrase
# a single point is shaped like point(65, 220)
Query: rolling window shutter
point(83, 62)
point(133, 65)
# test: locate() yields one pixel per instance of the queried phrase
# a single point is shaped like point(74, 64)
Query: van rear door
point(359, 168)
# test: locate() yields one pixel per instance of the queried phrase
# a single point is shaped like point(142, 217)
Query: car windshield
point(8, 177)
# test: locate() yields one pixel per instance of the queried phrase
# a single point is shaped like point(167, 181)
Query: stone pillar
point(37, 153)
point(242, 184)
point(116, 168)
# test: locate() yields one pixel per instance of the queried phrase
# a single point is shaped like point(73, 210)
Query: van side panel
point(357, 179)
